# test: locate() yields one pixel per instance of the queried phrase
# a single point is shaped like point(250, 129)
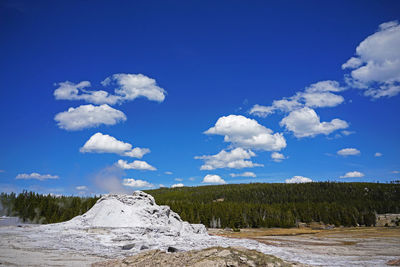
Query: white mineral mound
point(123, 225)
point(138, 210)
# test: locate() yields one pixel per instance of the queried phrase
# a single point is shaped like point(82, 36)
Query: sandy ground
point(17, 250)
point(364, 246)
point(51, 246)
point(42, 257)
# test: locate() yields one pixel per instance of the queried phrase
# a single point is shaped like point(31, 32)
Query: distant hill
point(281, 205)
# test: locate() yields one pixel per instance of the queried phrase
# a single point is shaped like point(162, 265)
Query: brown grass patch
point(353, 232)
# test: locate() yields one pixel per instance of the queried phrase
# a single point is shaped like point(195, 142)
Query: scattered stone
point(210, 257)
point(243, 259)
point(172, 249)
point(143, 247)
point(224, 253)
point(301, 225)
point(394, 262)
point(128, 247)
point(388, 220)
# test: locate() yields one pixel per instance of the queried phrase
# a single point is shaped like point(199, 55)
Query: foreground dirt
point(211, 257)
point(362, 246)
point(14, 256)
point(373, 246)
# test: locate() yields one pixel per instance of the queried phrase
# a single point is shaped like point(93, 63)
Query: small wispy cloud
point(135, 165)
point(348, 152)
point(298, 180)
point(36, 176)
point(277, 157)
point(81, 187)
point(354, 174)
point(177, 185)
point(347, 133)
point(109, 180)
point(243, 174)
point(136, 183)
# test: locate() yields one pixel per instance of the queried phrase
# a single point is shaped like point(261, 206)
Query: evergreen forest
point(281, 205)
point(236, 205)
point(37, 208)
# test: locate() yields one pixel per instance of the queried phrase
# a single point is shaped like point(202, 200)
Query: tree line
point(236, 205)
point(281, 205)
point(37, 208)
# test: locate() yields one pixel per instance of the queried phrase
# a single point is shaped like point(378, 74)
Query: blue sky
point(182, 92)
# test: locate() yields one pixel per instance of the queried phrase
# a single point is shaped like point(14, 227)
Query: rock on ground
point(210, 257)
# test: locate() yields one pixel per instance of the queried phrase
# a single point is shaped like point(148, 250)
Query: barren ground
point(47, 246)
point(366, 246)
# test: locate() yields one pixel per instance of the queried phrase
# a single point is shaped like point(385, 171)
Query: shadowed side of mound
point(215, 256)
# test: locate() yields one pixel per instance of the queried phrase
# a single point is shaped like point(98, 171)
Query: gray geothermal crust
point(123, 225)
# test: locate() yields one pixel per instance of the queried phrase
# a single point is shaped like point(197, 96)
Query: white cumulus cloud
point(136, 183)
point(213, 179)
point(247, 133)
point(126, 87)
point(243, 174)
point(325, 86)
point(72, 91)
point(354, 174)
point(37, 176)
point(132, 86)
point(287, 104)
point(378, 154)
point(319, 100)
point(103, 143)
point(376, 66)
point(297, 180)
point(305, 122)
point(135, 165)
point(348, 152)
point(237, 158)
point(317, 95)
point(88, 116)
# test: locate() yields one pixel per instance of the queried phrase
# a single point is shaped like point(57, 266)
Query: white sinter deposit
point(138, 210)
point(123, 225)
